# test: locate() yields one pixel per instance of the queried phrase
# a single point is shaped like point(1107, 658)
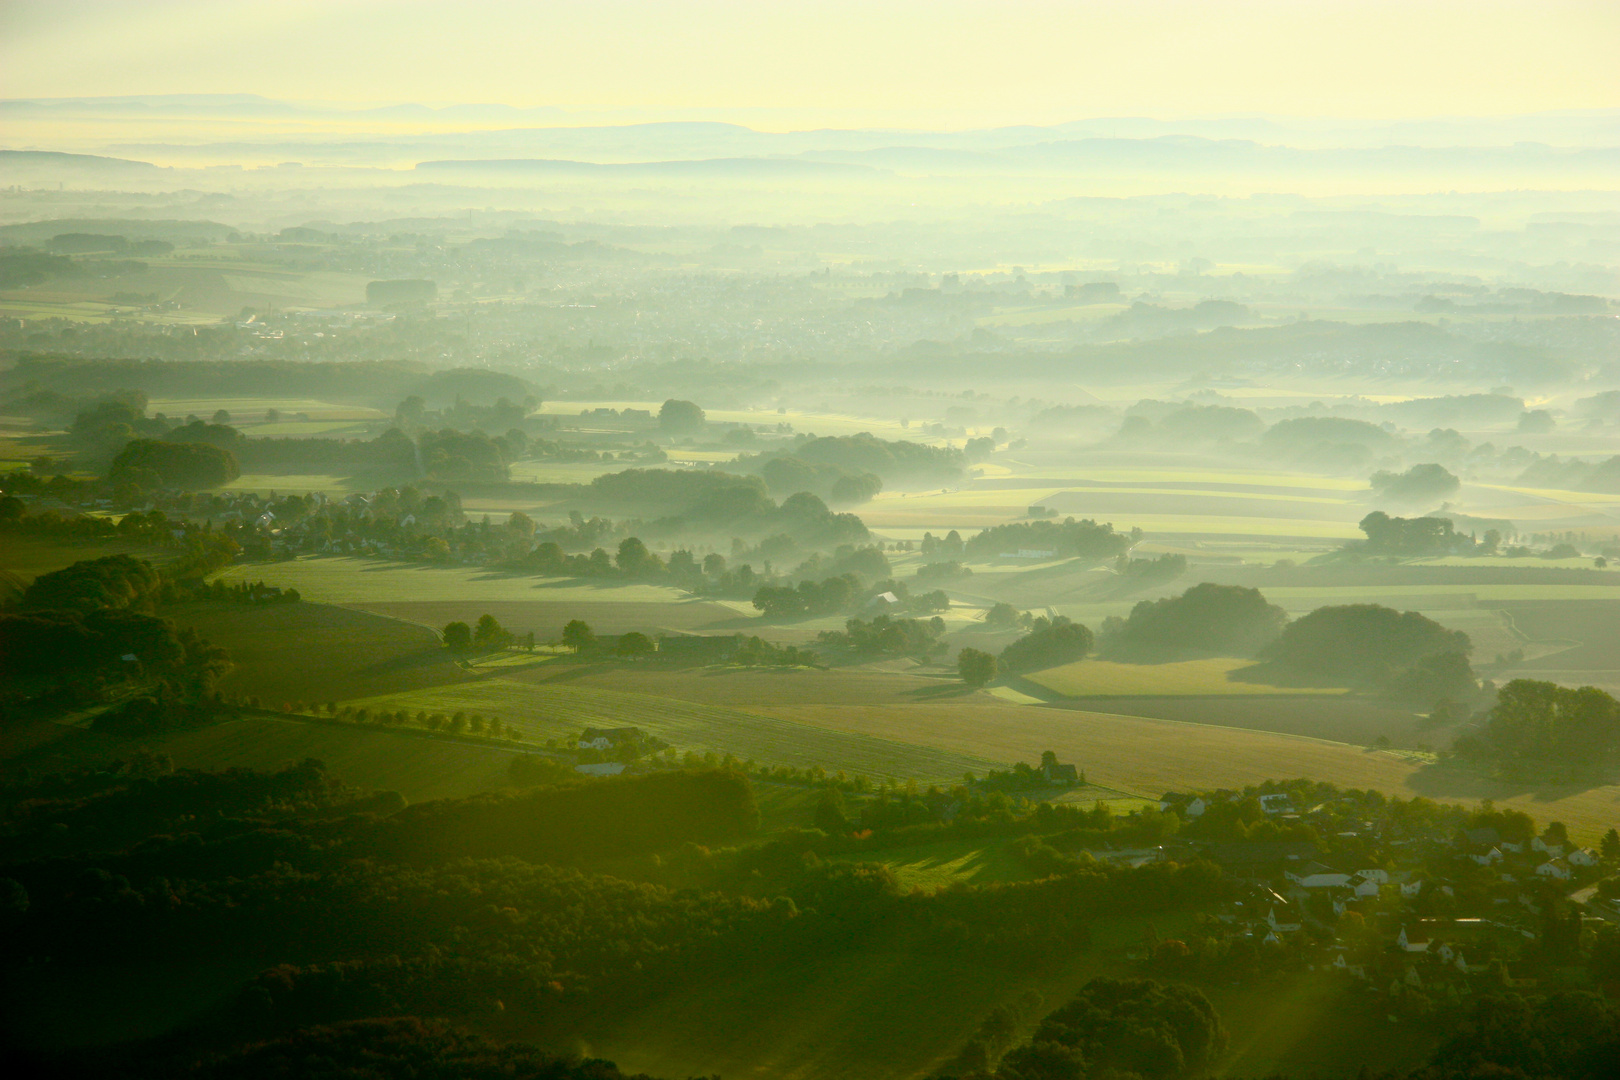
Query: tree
point(222, 416)
point(577, 635)
point(457, 636)
point(1363, 641)
point(634, 644)
point(1049, 643)
point(975, 667)
point(634, 558)
point(831, 816)
point(180, 464)
point(1420, 483)
point(680, 417)
point(489, 633)
point(1228, 619)
point(1001, 615)
point(1611, 846)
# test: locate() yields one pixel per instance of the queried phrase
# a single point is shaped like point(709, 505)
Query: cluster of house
point(1545, 856)
point(1296, 895)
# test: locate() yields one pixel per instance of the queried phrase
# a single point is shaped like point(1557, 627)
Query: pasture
point(1146, 756)
point(28, 557)
point(317, 652)
point(357, 581)
point(1212, 676)
point(544, 709)
point(417, 767)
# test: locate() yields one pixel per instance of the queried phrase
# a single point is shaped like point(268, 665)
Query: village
point(1424, 904)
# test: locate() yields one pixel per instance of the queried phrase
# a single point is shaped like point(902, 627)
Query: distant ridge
point(58, 160)
point(702, 166)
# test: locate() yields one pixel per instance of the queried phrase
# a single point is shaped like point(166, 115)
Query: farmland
point(1201, 678)
point(318, 653)
point(1145, 755)
point(544, 709)
point(418, 768)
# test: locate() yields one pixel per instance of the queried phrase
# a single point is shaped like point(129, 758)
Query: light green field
point(820, 423)
point(1039, 315)
point(1212, 676)
point(294, 484)
point(564, 472)
point(1192, 475)
point(1292, 596)
point(254, 408)
point(938, 865)
point(542, 711)
point(342, 580)
point(288, 428)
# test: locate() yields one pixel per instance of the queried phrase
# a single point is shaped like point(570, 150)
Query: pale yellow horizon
point(948, 63)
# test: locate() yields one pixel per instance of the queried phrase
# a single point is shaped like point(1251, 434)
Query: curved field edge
point(1147, 756)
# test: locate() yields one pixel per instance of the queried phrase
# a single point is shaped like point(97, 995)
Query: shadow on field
point(1454, 780)
point(410, 661)
point(943, 692)
point(1269, 673)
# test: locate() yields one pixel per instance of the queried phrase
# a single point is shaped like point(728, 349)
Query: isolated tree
point(577, 635)
point(457, 636)
point(680, 417)
point(634, 644)
point(222, 416)
point(1001, 614)
point(1611, 846)
point(975, 666)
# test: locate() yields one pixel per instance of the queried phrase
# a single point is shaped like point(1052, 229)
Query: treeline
point(1066, 539)
point(359, 380)
point(850, 469)
point(87, 634)
point(1534, 720)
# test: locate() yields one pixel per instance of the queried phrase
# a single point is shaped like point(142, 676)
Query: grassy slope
point(543, 710)
point(317, 652)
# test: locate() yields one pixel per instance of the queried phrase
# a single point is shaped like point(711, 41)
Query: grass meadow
point(1213, 676)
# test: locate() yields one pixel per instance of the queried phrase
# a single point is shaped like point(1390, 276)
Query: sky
point(947, 63)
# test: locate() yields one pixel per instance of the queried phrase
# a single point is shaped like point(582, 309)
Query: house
point(1316, 876)
point(1277, 803)
point(1414, 940)
point(1367, 888)
point(1188, 805)
point(1583, 857)
point(1554, 868)
point(1411, 888)
point(1374, 875)
point(1341, 964)
point(883, 601)
point(1488, 858)
point(608, 737)
point(1060, 774)
point(1544, 843)
point(1282, 919)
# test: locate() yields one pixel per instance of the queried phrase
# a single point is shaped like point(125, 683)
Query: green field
point(1211, 676)
point(543, 711)
point(418, 767)
point(344, 580)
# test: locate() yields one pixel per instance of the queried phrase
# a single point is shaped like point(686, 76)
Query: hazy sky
point(951, 61)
